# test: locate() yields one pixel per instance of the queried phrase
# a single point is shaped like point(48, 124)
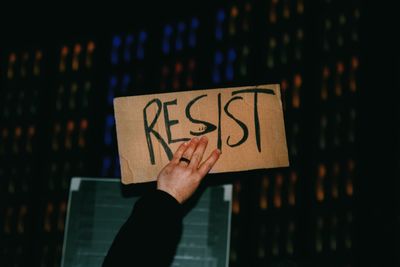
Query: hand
point(179, 178)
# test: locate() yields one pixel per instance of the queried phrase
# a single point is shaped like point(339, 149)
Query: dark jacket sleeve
point(150, 235)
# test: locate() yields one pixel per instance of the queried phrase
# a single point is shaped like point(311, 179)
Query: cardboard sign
point(245, 123)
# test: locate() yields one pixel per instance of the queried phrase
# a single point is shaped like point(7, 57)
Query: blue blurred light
point(116, 41)
point(181, 27)
point(218, 29)
point(114, 58)
point(107, 138)
point(129, 39)
point(168, 30)
point(231, 55)
point(127, 51)
point(108, 131)
point(106, 166)
point(140, 47)
point(127, 55)
point(195, 23)
point(166, 39)
point(113, 81)
point(142, 36)
point(229, 72)
point(218, 58)
point(140, 52)
point(125, 82)
point(221, 15)
point(110, 121)
point(110, 96)
point(165, 46)
point(179, 43)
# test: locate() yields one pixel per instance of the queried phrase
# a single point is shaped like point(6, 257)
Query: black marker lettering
point(149, 129)
point(208, 127)
point(239, 122)
point(219, 141)
point(256, 119)
point(169, 123)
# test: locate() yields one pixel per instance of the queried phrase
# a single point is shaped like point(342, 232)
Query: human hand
point(180, 178)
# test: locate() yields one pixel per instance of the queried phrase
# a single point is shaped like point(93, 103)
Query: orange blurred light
point(234, 11)
point(31, 131)
point(178, 67)
point(12, 58)
point(18, 131)
point(325, 72)
point(70, 126)
point(38, 55)
point(77, 48)
point(90, 46)
point(64, 51)
point(354, 62)
point(284, 85)
point(340, 67)
point(84, 124)
point(297, 80)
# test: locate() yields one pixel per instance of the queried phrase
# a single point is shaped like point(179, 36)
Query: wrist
point(172, 193)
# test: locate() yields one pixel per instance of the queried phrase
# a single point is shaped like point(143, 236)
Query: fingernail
point(195, 139)
point(204, 138)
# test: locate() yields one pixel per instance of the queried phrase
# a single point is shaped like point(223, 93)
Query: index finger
point(179, 152)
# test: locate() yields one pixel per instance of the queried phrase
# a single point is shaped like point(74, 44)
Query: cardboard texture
point(245, 123)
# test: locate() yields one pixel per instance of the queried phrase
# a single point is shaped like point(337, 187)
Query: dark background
point(34, 183)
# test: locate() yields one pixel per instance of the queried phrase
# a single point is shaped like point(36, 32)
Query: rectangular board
point(245, 123)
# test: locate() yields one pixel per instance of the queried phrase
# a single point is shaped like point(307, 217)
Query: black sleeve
point(150, 235)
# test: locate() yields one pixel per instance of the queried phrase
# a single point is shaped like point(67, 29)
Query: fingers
point(189, 151)
point(198, 153)
point(194, 151)
point(179, 152)
point(206, 166)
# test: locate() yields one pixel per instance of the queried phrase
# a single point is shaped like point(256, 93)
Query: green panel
point(97, 209)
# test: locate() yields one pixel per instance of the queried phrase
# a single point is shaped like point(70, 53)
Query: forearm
point(153, 228)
